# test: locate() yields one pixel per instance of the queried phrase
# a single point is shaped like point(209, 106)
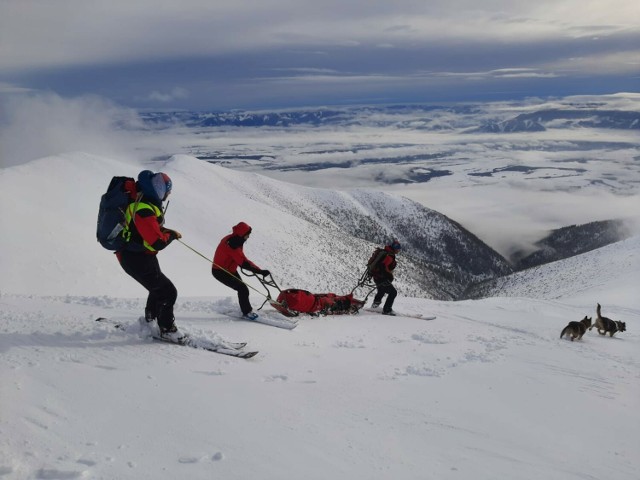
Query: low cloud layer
point(37, 126)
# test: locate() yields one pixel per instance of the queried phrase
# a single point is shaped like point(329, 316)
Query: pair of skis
point(234, 349)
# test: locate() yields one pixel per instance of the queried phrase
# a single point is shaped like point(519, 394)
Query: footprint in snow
point(350, 344)
point(276, 378)
point(213, 373)
point(428, 339)
point(419, 371)
point(216, 457)
point(58, 474)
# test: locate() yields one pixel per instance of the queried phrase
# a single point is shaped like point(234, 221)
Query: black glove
point(264, 273)
point(173, 235)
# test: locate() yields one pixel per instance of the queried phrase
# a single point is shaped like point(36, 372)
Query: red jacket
point(229, 254)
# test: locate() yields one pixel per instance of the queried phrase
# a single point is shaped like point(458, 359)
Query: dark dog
point(576, 329)
point(605, 325)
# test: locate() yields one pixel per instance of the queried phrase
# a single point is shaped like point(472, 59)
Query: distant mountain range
point(539, 121)
point(404, 116)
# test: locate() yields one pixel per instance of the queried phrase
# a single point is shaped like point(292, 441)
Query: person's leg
point(391, 296)
point(145, 269)
point(234, 282)
point(380, 293)
point(166, 295)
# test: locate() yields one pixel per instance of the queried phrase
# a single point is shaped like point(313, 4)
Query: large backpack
point(111, 214)
point(373, 265)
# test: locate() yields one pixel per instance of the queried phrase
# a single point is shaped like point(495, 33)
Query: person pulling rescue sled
point(228, 257)
point(381, 265)
point(144, 236)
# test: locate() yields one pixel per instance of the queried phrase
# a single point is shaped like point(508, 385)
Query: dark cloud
point(280, 53)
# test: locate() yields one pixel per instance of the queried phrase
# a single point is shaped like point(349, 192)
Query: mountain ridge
point(310, 238)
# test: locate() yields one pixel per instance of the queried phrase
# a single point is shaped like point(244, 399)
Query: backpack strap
point(130, 215)
point(135, 208)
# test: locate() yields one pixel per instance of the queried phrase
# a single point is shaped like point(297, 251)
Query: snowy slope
point(314, 239)
point(486, 390)
point(56, 213)
point(580, 277)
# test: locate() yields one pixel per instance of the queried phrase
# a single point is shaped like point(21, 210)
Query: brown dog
point(576, 329)
point(605, 325)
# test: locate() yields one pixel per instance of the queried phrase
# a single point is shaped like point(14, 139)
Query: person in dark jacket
point(228, 257)
point(146, 236)
point(383, 277)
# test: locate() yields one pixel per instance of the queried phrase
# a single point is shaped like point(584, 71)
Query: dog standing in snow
point(605, 325)
point(577, 329)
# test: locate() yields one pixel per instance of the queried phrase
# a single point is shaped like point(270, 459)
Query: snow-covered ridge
point(309, 238)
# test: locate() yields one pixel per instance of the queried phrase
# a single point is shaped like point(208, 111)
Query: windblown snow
point(486, 390)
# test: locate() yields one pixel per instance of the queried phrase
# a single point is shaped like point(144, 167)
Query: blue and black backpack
point(111, 214)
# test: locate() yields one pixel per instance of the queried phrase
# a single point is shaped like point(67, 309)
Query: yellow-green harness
point(130, 213)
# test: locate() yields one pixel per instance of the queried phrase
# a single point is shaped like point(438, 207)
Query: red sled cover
point(293, 301)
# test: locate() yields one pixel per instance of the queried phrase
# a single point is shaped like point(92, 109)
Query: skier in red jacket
point(383, 277)
point(146, 235)
point(228, 257)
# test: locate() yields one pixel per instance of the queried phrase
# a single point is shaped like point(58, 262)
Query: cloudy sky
point(203, 54)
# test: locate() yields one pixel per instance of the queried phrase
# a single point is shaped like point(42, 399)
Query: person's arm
point(252, 267)
point(150, 231)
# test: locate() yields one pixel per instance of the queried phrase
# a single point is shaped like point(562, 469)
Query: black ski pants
point(232, 280)
point(145, 270)
point(385, 287)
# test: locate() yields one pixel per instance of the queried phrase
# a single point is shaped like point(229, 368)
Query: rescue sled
point(293, 301)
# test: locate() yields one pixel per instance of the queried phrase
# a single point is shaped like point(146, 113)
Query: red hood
point(241, 229)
